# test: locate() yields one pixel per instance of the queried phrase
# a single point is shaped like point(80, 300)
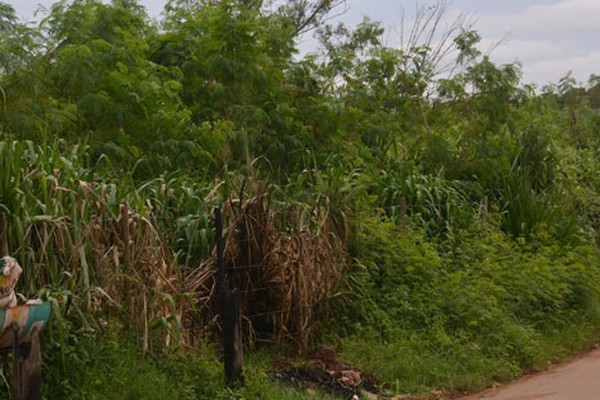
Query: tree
point(235, 62)
point(306, 15)
point(100, 67)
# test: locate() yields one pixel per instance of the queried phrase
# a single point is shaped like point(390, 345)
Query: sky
point(548, 37)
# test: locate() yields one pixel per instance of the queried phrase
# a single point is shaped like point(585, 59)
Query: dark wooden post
point(17, 381)
point(27, 367)
point(32, 370)
point(230, 315)
point(3, 235)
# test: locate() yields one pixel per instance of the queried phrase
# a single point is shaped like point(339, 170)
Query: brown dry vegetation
point(287, 264)
point(119, 260)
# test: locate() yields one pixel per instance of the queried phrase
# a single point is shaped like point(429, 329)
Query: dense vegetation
point(465, 204)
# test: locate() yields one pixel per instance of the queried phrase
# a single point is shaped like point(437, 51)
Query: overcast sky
point(549, 37)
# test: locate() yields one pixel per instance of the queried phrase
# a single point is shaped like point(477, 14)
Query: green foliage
point(117, 371)
point(234, 62)
point(439, 205)
point(465, 43)
point(489, 305)
point(526, 211)
point(492, 269)
point(120, 96)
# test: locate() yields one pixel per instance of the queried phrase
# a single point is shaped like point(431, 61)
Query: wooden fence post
point(230, 315)
point(27, 367)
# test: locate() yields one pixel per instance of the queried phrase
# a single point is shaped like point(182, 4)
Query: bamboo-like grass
point(89, 247)
point(110, 253)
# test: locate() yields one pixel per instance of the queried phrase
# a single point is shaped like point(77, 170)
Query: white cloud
point(570, 17)
point(551, 70)
point(549, 40)
point(531, 50)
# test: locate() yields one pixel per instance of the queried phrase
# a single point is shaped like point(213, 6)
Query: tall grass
point(440, 206)
point(527, 211)
point(97, 245)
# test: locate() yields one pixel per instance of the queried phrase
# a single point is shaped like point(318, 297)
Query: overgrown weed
point(425, 316)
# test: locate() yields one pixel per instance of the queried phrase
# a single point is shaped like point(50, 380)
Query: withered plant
point(286, 261)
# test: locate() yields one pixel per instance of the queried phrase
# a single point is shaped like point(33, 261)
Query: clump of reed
point(286, 261)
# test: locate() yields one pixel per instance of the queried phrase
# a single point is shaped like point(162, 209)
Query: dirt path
point(576, 380)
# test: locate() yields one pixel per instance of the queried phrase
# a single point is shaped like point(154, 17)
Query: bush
point(465, 313)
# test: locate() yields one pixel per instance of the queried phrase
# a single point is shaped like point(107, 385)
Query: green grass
point(102, 368)
point(462, 315)
point(419, 365)
point(422, 362)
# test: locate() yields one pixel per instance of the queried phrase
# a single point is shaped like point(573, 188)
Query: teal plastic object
point(27, 318)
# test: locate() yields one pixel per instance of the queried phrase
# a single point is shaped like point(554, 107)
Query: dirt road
point(576, 380)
